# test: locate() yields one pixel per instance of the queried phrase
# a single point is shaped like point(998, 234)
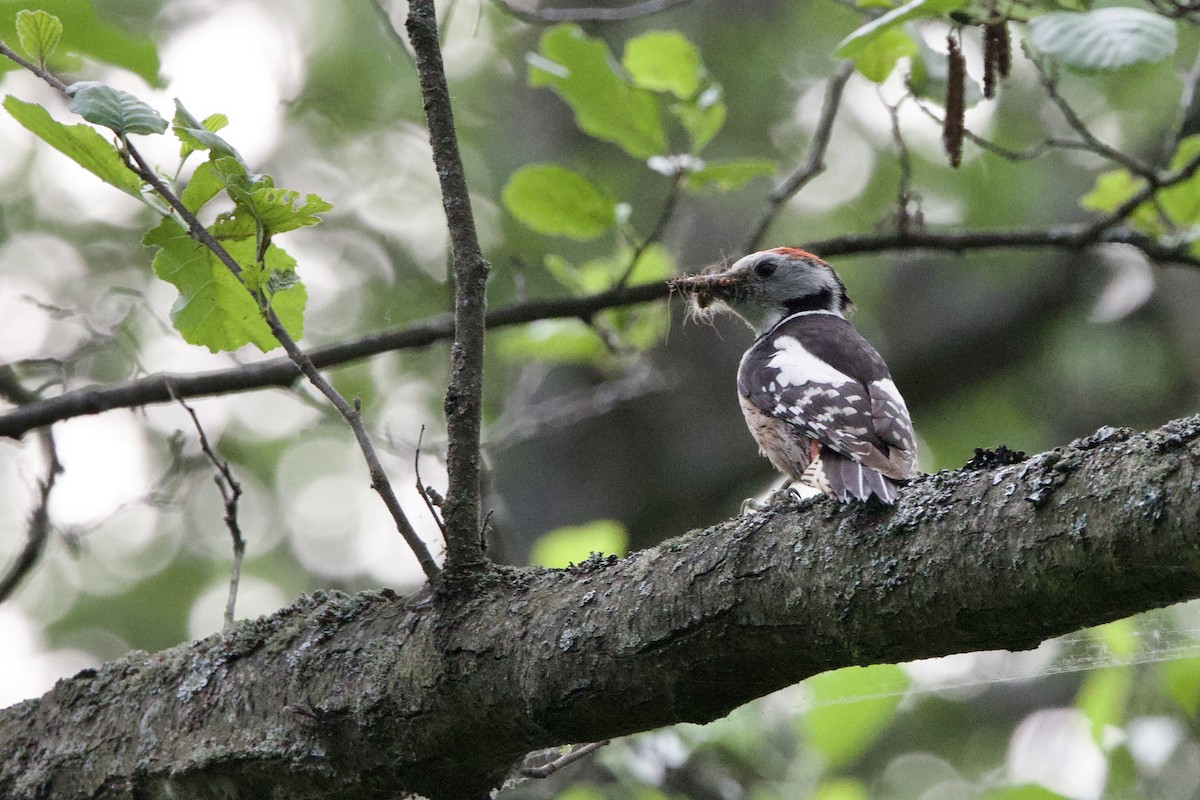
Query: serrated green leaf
point(702, 119)
point(204, 185)
point(215, 122)
point(112, 108)
point(196, 136)
point(580, 70)
point(866, 35)
point(559, 202)
point(81, 143)
point(725, 176)
point(39, 34)
point(877, 61)
point(1103, 39)
point(214, 308)
point(852, 706)
point(664, 61)
point(269, 209)
point(564, 546)
point(84, 33)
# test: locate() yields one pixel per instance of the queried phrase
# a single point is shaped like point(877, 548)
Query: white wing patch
point(797, 366)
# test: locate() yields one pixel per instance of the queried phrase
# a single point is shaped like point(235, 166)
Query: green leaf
point(194, 135)
point(702, 118)
point(1111, 190)
point(1103, 696)
point(559, 341)
point(82, 143)
point(204, 185)
point(1181, 678)
point(84, 33)
point(39, 34)
point(664, 61)
point(565, 546)
point(1181, 202)
point(840, 789)
point(556, 201)
point(852, 706)
point(725, 176)
point(889, 46)
point(117, 110)
point(580, 70)
point(867, 35)
point(1026, 791)
point(267, 209)
point(214, 308)
point(1103, 39)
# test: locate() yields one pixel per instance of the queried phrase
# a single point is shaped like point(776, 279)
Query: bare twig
point(379, 481)
point(231, 494)
point(905, 196)
point(464, 396)
point(7, 52)
point(38, 531)
point(664, 219)
point(1050, 85)
point(428, 494)
point(566, 759)
point(814, 159)
point(283, 372)
point(552, 16)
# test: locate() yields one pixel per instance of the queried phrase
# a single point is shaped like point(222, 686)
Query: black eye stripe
point(765, 268)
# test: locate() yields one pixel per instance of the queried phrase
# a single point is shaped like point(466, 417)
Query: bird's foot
point(781, 496)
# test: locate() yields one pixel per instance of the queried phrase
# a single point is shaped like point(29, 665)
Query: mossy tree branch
point(356, 697)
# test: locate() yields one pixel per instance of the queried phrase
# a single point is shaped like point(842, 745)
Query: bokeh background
point(591, 445)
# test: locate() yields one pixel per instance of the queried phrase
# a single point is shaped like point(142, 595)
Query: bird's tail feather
point(844, 478)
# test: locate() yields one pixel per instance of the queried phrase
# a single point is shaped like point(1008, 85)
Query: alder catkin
point(1003, 47)
point(956, 84)
point(991, 58)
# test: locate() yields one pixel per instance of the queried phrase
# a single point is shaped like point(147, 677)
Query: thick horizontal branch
point(373, 695)
point(282, 372)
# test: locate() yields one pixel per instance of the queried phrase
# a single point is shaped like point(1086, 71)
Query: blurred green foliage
point(576, 155)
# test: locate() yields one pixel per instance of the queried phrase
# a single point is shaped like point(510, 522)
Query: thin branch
point(553, 16)
point(566, 759)
point(379, 481)
point(231, 493)
point(1050, 85)
point(814, 160)
point(464, 403)
point(428, 493)
point(660, 225)
point(282, 372)
point(8, 53)
point(38, 531)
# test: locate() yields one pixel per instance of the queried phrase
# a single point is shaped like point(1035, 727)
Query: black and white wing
point(815, 373)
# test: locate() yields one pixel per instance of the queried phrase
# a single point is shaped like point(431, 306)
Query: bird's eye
point(765, 269)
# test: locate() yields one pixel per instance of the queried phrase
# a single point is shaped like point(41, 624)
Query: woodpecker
point(818, 399)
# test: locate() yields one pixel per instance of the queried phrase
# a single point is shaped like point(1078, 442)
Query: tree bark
point(374, 695)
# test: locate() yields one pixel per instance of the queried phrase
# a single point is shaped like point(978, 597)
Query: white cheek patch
point(797, 366)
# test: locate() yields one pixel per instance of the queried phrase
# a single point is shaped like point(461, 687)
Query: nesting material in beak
point(707, 289)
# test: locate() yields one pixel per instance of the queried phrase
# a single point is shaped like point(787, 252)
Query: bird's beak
point(708, 288)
